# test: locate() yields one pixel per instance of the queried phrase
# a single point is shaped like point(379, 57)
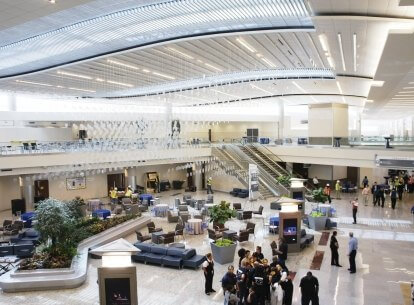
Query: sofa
point(305, 239)
point(28, 236)
point(167, 256)
point(241, 193)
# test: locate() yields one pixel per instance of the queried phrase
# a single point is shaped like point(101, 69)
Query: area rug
point(324, 239)
point(317, 260)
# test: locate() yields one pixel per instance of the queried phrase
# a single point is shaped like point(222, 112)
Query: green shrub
point(221, 213)
point(75, 208)
point(319, 196)
point(284, 180)
point(222, 242)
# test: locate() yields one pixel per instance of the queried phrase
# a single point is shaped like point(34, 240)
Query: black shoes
point(207, 293)
point(212, 290)
point(338, 266)
point(352, 272)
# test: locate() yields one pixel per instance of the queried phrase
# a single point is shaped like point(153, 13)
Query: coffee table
point(229, 234)
point(155, 237)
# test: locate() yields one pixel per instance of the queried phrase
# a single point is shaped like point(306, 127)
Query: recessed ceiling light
point(354, 43)
point(33, 83)
point(74, 74)
point(268, 62)
point(261, 89)
point(52, 1)
point(369, 101)
point(213, 67)
point(405, 88)
point(404, 92)
point(163, 75)
point(341, 49)
point(299, 87)
point(146, 70)
point(181, 53)
point(324, 43)
point(246, 45)
point(99, 79)
point(330, 61)
point(377, 83)
point(119, 83)
point(84, 90)
point(119, 63)
point(228, 94)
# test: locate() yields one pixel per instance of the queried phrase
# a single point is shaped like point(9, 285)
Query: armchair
point(237, 206)
point(132, 210)
point(243, 215)
point(172, 218)
point(242, 237)
point(182, 208)
point(214, 235)
point(151, 228)
point(167, 238)
point(6, 224)
point(142, 238)
point(250, 227)
point(183, 218)
point(179, 230)
point(260, 211)
point(220, 227)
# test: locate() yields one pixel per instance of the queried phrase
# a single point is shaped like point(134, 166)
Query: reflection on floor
point(384, 263)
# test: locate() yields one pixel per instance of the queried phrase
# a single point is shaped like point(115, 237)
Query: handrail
point(309, 187)
point(265, 162)
point(275, 187)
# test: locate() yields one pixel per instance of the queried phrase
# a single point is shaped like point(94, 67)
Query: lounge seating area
point(240, 193)
point(305, 239)
point(167, 256)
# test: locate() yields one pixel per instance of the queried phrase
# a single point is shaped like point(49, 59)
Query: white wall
point(226, 183)
point(96, 187)
point(323, 172)
point(339, 172)
point(35, 134)
point(162, 170)
point(9, 189)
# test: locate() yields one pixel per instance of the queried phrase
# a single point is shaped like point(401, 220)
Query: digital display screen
point(289, 231)
point(117, 291)
point(297, 195)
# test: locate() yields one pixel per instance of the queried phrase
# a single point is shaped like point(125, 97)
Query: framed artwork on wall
point(77, 183)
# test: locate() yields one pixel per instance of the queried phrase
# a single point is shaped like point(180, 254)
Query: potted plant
point(223, 251)
point(317, 220)
point(220, 213)
point(284, 180)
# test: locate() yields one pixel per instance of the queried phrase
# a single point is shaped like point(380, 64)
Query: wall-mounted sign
point(77, 183)
point(394, 162)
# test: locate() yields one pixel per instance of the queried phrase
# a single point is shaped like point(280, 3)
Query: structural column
point(327, 122)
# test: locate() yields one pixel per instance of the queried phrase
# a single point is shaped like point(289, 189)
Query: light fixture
point(324, 44)
point(146, 70)
point(341, 49)
point(119, 83)
point(339, 87)
point(119, 63)
point(330, 61)
point(377, 83)
point(402, 98)
point(213, 67)
point(179, 52)
point(261, 89)
point(228, 94)
point(405, 88)
point(163, 75)
point(268, 62)
point(33, 83)
point(369, 101)
point(299, 87)
point(74, 74)
point(405, 92)
point(84, 90)
point(52, 1)
point(99, 79)
point(354, 42)
point(246, 45)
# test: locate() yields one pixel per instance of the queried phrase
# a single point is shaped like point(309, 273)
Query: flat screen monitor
point(297, 195)
point(290, 230)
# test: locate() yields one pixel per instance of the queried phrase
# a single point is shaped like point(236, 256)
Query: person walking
point(334, 250)
point(315, 182)
point(382, 196)
point(365, 181)
point(209, 189)
point(400, 189)
point(327, 192)
point(393, 198)
point(287, 287)
point(374, 190)
point(354, 209)
point(208, 268)
point(338, 189)
point(365, 194)
point(309, 287)
point(352, 251)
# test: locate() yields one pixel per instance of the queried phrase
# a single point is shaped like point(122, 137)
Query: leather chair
point(167, 238)
point(220, 227)
point(133, 210)
point(213, 234)
point(182, 208)
point(183, 218)
point(242, 237)
point(244, 215)
point(260, 211)
point(250, 227)
point(172, 218)
point(142, 238)
point(237, 206)
point(6, 224)
point(179, 230)
point(198, 217)
point(151, 228)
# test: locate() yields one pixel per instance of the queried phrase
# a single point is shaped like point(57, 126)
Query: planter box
point(317, 223)
point(223, 255)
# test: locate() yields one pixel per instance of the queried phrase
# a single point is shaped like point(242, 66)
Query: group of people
point(258, 282)
point(113, 194)
point(352, 251)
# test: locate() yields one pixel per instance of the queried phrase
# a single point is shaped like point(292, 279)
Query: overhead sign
point(394, 162)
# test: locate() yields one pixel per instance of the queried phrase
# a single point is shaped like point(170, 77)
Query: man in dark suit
point(334, 250)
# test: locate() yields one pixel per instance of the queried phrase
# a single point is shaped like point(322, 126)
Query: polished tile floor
point(384, 262)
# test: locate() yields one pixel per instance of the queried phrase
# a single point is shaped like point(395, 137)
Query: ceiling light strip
point(341, 49)
point(354, 44)
point(246, 45)
point(163, 75)
point(118, 63)
point(119, 83)
point(33, 83)
point(73, 74)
